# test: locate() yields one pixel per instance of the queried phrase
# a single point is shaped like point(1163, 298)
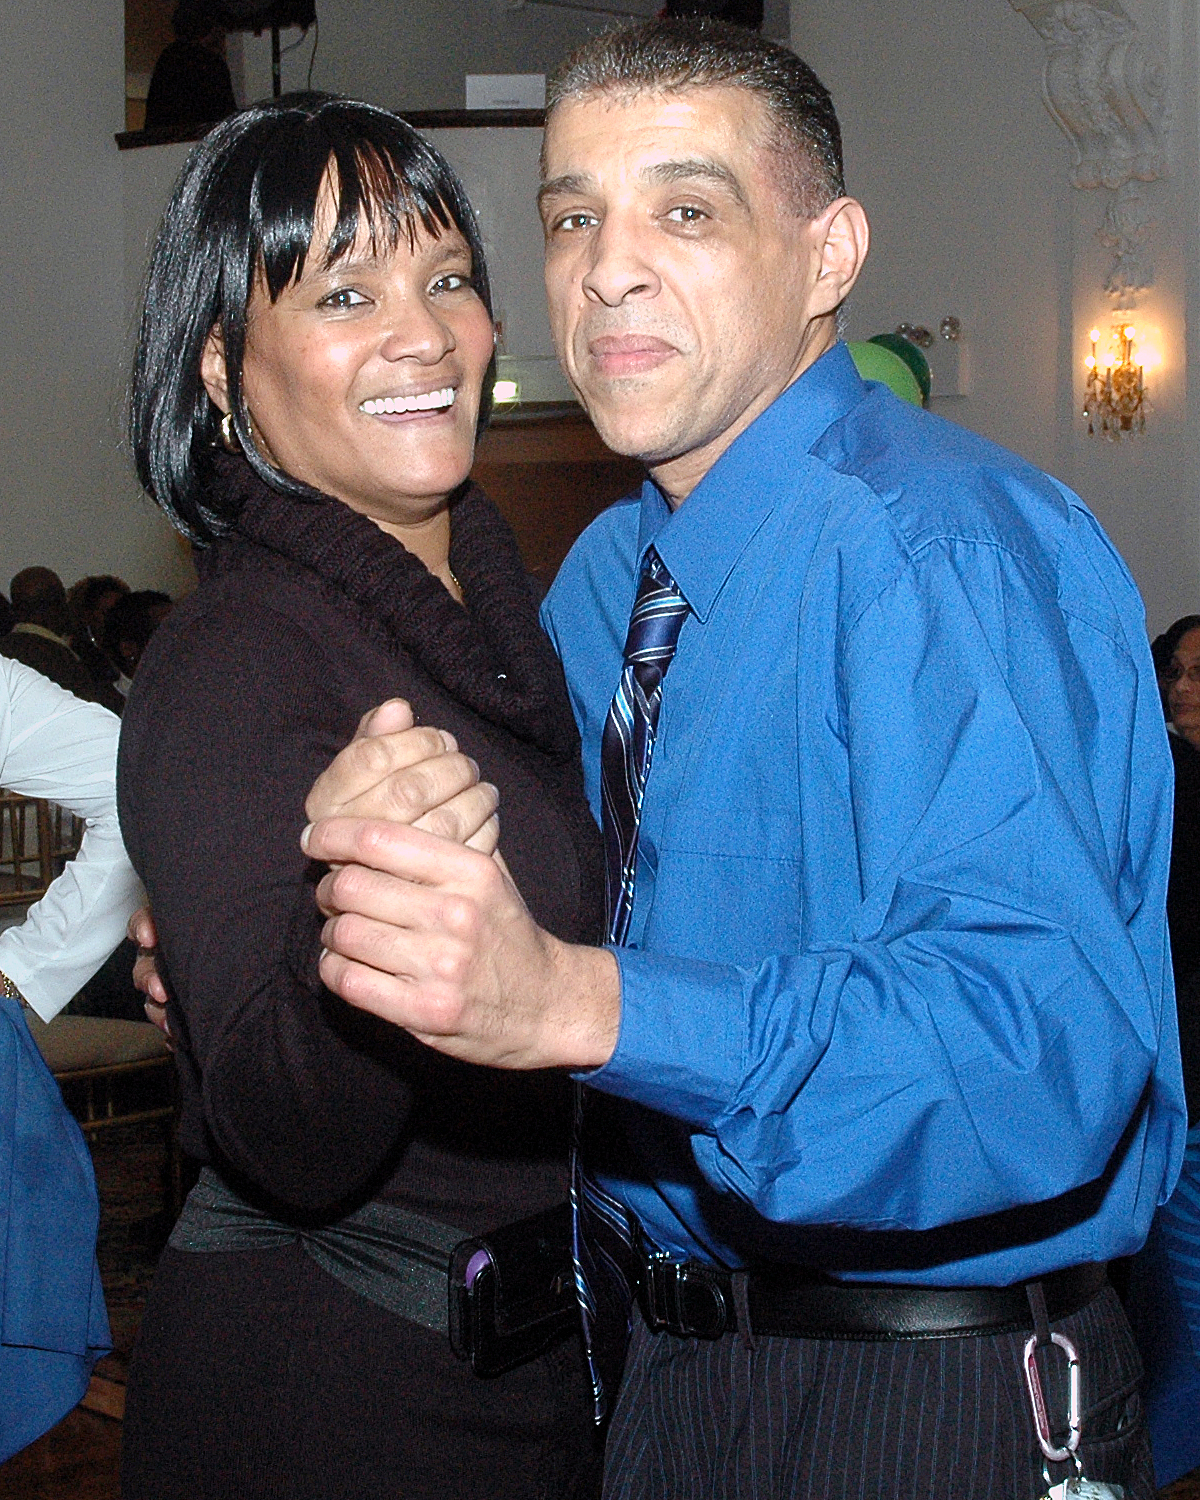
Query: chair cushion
point(72, 1043)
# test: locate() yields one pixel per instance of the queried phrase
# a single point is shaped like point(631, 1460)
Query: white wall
point(67, 498)
point(414, 55)
point(966, 180)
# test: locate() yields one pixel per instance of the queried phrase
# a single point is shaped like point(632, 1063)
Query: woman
point(1177, 657)
point(1165, 1276)
point(314, 366)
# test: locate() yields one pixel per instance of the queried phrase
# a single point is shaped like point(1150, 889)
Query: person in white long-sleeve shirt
point(53, 745)
point(52, 1320)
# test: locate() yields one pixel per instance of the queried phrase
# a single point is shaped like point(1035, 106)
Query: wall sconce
point(1115, 393)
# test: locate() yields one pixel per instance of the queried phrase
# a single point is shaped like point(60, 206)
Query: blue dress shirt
point(896, 1000)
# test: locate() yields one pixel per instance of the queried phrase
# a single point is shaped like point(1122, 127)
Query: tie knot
point(658, 614)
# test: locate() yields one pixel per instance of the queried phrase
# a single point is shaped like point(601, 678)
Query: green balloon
point(912, 355)
point(874, 362)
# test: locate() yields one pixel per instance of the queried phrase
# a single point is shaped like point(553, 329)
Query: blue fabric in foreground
point(53, 1326)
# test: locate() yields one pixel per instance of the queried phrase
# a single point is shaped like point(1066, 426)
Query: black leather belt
point(693, 1300)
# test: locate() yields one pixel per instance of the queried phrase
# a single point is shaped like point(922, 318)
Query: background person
point(191, 84)
point(307, 394)
point(128, 628)
point(39, 636)
point(1165, 1277)
point(53, 1326)
point(883, 1052)
point(1177, 657)
point(88, 603)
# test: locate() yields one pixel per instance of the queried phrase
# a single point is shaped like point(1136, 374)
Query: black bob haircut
point(242, 216)
point(1162, 649)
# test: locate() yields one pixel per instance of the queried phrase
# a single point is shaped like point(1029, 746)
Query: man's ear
point(844, 236)
point(212, 369)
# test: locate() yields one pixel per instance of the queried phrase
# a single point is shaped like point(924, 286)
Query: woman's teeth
point(390, 405)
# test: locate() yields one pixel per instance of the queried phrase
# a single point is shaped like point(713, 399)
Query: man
point(881, 1056)
point(39, 637)
point(128, 628)
point(191, 84)
point(89, 601)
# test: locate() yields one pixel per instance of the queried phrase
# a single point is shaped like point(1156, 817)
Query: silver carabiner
point(1041, 1421)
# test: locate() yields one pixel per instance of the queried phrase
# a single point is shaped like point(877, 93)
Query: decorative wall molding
point(1109, 95)
point(1127, 223)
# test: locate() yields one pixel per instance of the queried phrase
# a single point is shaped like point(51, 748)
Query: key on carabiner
point(1077, 1487)
point(1041, 1421)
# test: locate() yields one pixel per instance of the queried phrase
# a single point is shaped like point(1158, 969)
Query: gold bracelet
point(8, 989)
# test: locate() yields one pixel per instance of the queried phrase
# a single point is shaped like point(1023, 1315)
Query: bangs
point(242, 218)
point(376, 197)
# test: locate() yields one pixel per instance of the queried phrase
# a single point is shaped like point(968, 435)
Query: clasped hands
point(424, 925)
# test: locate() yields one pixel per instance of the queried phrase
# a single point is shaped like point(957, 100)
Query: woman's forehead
point(412, 244)
point(1187, 648)
point(382, 231)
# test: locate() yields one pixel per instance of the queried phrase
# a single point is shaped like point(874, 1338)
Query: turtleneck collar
point(490, 655)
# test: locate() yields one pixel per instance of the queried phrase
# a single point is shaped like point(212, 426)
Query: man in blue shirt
point(885, 1067)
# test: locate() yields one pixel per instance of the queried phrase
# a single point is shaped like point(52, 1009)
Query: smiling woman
point(312, 374)
point(365, 376)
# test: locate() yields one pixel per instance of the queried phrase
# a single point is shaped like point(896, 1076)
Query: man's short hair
point(669, 55)
point(192, 20)
point(39, 598)
point(131, 622)
point(85, 593)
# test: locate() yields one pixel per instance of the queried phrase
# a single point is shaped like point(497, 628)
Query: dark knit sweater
point(307, 615)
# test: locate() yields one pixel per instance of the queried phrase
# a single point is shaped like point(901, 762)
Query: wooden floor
point(80, 1459)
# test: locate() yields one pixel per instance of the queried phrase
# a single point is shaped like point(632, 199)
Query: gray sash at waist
point(395, 1258)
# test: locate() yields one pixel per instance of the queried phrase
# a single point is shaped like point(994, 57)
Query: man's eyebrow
point(682, 169)
point(687, 167)
point(561, 187)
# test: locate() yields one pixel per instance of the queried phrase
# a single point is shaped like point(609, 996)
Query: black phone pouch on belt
point(512, 1292)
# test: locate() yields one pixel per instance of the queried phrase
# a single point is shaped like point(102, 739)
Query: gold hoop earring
point(228, 437)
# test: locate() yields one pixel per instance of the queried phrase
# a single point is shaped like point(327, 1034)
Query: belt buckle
point(682, 1298)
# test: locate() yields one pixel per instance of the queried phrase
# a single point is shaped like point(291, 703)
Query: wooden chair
point(113, 1073)
point(36, 840)
point(26, 861)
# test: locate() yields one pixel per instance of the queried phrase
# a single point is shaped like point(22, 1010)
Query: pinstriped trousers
point(913, 1419)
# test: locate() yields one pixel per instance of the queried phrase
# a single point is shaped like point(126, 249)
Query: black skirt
point(257, 1376)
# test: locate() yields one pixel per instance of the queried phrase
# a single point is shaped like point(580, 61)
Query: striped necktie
point(630, 729)
point(603, 1237)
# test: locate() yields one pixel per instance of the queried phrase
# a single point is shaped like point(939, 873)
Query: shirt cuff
point(681, 1047)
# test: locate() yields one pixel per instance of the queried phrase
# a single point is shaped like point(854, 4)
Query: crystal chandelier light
point(1115, 393)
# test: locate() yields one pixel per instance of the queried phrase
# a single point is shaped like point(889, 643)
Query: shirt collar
point(27, 627)
point(702, 540)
